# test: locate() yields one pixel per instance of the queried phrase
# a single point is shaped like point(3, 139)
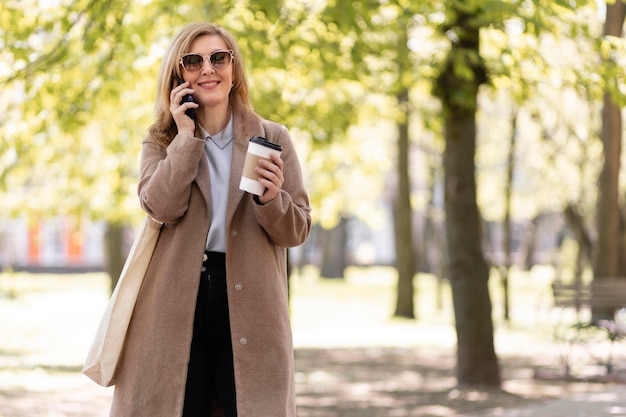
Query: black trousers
point(210, 376)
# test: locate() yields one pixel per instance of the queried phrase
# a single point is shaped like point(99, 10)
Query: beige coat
point(175, 188)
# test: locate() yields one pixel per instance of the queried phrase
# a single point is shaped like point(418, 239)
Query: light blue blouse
point(219, 150)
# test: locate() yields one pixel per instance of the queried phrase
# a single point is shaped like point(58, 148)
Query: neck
point(213, 119)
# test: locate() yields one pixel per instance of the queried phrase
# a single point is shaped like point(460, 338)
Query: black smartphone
point(188, 98)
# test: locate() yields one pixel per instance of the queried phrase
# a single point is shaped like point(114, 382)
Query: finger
point(271, 172)
point(177, 96)
point(275, 165)
point(179, 90)
point(271, 191)
point(175, 89)
point(277, 160)
point(177, 105)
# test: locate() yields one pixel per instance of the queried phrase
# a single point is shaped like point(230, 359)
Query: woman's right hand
point(183, 122)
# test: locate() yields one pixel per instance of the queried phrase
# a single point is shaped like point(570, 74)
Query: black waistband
point(214, 258)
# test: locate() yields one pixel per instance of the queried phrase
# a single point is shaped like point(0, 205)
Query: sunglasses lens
point(220, 59)
point(192, 62)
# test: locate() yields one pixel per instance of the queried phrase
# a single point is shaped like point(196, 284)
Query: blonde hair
point(164, 128)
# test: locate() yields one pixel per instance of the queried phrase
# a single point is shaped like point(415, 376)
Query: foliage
point(76, 99)
point(80, 81)
point(553, 82)
point(78, 89)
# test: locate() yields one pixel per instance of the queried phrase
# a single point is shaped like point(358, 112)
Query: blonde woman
point(210, 333)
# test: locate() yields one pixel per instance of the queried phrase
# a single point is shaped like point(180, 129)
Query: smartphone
point(188, 98)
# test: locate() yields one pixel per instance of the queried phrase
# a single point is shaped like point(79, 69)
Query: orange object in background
point(74, 242)
point(34, 241)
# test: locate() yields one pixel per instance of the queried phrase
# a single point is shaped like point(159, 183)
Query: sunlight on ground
point(48, 322)
point(358, 311)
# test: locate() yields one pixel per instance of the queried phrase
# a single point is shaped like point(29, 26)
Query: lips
point(209, 84)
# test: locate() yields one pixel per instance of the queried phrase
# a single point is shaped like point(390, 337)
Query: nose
point(207, 68)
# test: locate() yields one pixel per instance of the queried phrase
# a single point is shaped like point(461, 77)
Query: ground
point(352, 358)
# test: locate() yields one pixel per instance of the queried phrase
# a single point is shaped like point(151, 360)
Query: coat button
point(243, 340)
point(238, 286)
point(233, 233)
point(204, 258)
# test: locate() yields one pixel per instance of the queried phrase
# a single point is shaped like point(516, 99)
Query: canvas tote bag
point(106, 347)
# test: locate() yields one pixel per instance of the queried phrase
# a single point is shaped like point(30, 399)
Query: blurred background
point(460, 155)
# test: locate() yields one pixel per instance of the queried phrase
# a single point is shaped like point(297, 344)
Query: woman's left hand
point(271, 176)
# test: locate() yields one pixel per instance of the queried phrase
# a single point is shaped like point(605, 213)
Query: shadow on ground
point(45, 340)
point(398, 382)
point(338, 382)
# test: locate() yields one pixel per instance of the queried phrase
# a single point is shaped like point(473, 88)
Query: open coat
point(175, 189)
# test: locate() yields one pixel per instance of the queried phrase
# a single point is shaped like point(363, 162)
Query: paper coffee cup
point(258, 148)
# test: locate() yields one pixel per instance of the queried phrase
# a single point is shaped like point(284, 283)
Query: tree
point(468, 271)
point(610, 225)
point(80, 77)
point(403, 213)
point(381, 61)
point(72, 77)
point(507, 226)
point(460, 78)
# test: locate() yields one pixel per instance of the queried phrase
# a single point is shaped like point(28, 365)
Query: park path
point(352, 360)
point(610, 402)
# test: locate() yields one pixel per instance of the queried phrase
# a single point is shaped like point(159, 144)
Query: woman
point(210, 333)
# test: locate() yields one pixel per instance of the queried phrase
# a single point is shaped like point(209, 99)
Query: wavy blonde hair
point(164, 128)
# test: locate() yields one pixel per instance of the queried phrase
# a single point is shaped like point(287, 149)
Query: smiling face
point(212, 87)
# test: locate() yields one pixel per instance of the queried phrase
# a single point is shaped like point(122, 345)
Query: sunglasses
point(219, 60)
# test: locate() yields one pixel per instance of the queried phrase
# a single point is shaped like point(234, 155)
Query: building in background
point(52, 244)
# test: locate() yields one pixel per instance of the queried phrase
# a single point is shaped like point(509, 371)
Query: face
point(212, 87)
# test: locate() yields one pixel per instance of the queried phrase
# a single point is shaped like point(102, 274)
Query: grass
point(351, 354)
point(367, 296)
point(43, 312)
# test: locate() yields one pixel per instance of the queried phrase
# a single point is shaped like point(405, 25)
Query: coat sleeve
point(166, 176)
point(287, 218)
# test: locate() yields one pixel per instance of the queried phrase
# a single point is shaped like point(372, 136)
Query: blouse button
point(238, 286)
point(243, 341)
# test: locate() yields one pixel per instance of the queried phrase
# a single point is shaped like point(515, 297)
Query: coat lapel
point(203, 178)
point(243, 131)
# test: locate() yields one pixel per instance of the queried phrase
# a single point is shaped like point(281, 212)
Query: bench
point(603, 298)
point(601, 293)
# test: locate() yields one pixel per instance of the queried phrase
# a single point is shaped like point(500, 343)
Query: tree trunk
point(403, 220)
point(607, 257)
point(116, 253)
point(433, 261)
point(574, 221)
point(468, 270)
point(334, 251)
point(507, 235)
point(477, 363)
point(608, 208)
point(528, 246)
